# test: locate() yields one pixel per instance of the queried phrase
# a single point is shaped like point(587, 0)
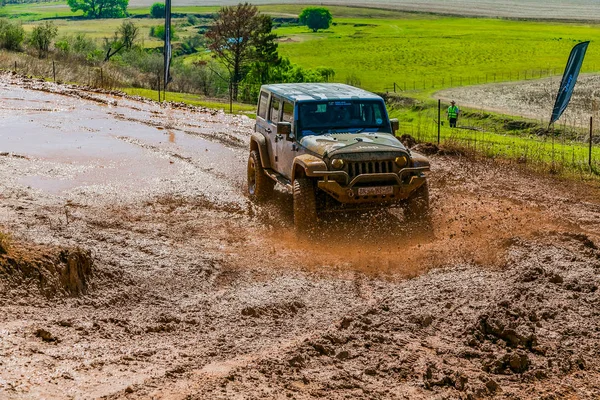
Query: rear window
point(288, 112)
point(274, 114)
point(263, 105)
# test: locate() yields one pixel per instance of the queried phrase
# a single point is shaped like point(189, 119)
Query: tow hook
point(350, 193)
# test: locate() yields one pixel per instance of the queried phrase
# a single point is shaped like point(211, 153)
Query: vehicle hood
point(327, 145)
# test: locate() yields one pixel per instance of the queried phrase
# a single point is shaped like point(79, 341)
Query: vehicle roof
point(319, 91)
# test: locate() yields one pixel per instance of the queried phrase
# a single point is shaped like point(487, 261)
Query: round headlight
point(401, 161)
point(337, 163)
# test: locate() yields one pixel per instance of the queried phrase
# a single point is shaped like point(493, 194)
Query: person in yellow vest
point(453, 112)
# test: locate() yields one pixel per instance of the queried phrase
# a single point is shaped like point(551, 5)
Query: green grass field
point(195, 100)
point(434, 52)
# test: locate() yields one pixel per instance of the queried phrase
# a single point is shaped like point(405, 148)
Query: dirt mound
point(408, 141)
point(426, 148)
point(55, 271)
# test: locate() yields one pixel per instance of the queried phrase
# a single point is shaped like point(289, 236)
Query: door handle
point(268, 130)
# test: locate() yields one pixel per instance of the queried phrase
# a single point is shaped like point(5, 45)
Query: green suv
point(333, 147)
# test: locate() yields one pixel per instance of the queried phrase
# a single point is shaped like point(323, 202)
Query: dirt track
point(196, 293)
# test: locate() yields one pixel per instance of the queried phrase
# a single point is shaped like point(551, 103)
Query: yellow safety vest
point(452, 112)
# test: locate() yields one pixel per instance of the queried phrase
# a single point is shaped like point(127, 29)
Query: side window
point(288, 112)
point(262, 105)
point(274, 114)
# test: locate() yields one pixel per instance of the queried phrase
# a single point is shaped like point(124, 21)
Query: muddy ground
point(136, 268)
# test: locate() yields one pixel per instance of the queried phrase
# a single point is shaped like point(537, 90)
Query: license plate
point(377, 190)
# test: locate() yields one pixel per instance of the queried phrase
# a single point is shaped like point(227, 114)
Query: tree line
point(241, 44)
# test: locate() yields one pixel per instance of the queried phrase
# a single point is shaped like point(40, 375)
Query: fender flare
point(419, 160)
point(258, 142)
point(308, 164)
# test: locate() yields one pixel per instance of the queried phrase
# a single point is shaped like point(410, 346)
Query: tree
point(265, 48)
point(123, 39)
point(128, 33)
point(100, 8)
point(232, 38)
point(157, 10)
point(12, 35)
point(42, 36)
point(316, 18)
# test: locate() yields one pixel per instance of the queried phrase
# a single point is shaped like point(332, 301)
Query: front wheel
point(305, 205)
point(260, 186)
point(417, 206)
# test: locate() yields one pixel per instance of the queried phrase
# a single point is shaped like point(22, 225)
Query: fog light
point(401, 161)
point(337, 163)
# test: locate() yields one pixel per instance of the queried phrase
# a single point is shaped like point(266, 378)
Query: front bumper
point(401, 185)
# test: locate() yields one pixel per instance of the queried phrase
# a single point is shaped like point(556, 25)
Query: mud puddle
point(88, 144)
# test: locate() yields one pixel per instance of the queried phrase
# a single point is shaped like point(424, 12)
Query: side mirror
point(395, 125)
point(285, 129)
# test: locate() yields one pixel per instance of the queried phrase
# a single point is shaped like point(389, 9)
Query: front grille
point(369, 167)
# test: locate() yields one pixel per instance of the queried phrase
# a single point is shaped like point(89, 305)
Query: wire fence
point(467, 80)
point(566, 146)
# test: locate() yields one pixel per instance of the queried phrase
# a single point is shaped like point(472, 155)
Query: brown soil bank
point(54, 271)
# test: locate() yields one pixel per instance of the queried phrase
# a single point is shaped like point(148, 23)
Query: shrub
point(42, 36)
point(79, 45)
point(12, 35)
point(157, 10)
point(144, 60)
point(159, 32)
point(192, 20)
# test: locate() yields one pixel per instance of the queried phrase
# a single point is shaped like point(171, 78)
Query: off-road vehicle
point(334, 147)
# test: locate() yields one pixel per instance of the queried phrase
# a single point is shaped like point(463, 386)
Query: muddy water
point(95, 145)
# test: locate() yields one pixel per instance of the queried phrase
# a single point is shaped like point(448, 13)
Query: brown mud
point(197, 293)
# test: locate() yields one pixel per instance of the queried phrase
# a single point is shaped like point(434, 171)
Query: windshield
point(348, 116)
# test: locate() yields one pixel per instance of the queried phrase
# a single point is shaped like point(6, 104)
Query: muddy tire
point(260, 186)
point(417, 206)
point(305, 205)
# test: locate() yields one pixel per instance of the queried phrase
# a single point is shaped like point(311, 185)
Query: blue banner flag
point(167, 50)
point(568, 80)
